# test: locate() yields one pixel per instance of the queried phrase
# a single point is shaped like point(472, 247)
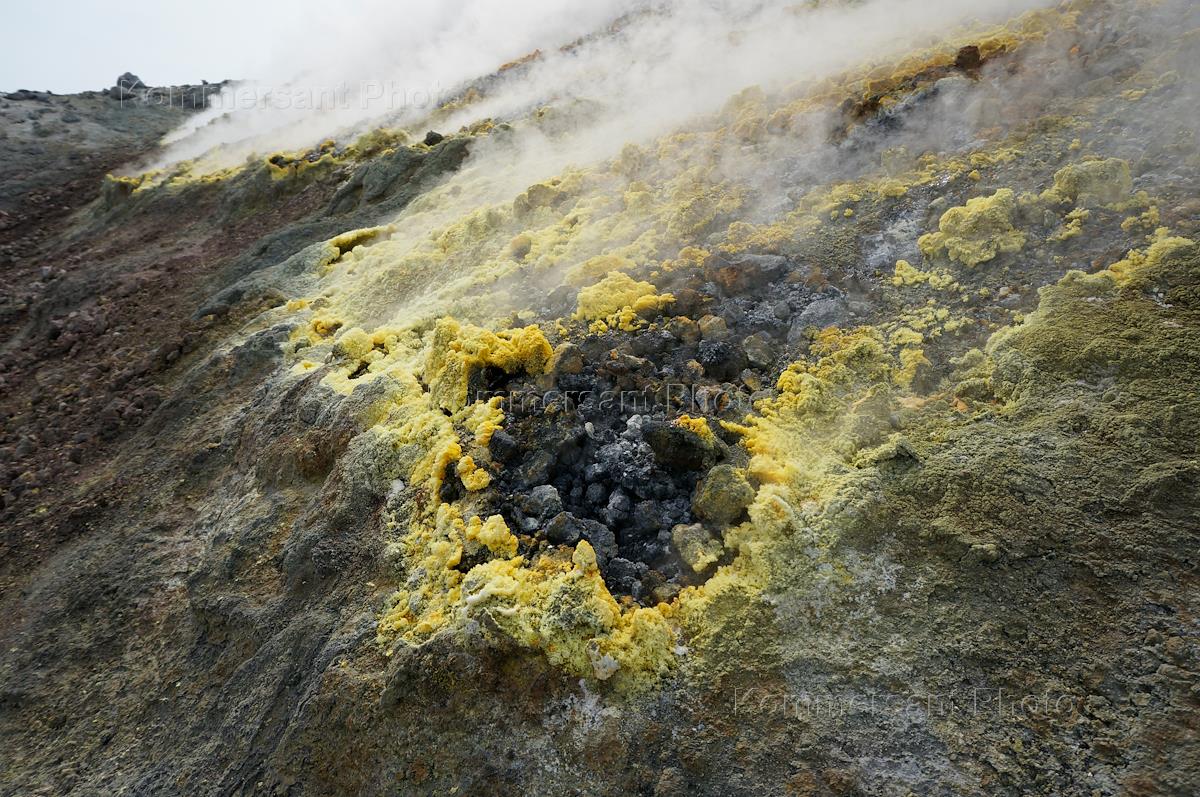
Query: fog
point(647, 68)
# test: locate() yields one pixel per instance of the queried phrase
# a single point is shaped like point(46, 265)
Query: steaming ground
point(612, 72)
point(695, 428)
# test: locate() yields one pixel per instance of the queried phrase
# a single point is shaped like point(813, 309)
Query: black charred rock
point(535, 470)
point(503, 446)
point(541, 502)
point(452, 486)
point(565, 445)
point(629, 463)
point(595, 472)
point(721, 359)
point(622, 576)
point(677, 447)
point(603, 541)
point(653, 343)
point(433, 138)
point(647, 518)
point(617, 508)
point(567, 529)
point(596, 495)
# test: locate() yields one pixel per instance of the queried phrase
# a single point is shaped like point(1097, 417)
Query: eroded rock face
point(639, 481)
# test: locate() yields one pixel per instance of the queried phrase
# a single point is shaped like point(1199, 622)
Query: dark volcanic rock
point(678, 447)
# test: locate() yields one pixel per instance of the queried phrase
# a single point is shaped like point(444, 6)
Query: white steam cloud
point(636, 68)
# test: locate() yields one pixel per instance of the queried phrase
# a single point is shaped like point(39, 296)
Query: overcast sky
point(74, 45)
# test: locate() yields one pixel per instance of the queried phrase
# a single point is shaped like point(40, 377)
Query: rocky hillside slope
point(842, 441)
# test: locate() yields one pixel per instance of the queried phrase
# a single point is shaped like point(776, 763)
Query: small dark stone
point(564, 529)
point(602, 540)
point(622, 575)
point(542, 502)
point(567, 529)
point(676, 446)
point(619, 503)
point(567, 359)
point(758, 350)
point(732, 279)
point(503, 446)
point(595, 471)
point(452, 486)
point(433, 138)
point(647, 517)
point(721, 360)
point(596, 495)
point(687, 302)
point(820, 314)
point(562, 298)
point(630, 463)
point(535, 470)
point(653, 343)
point(968, 58)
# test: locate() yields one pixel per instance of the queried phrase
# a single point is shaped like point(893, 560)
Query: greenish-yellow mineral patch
point(976, 232)
point(1092, 183)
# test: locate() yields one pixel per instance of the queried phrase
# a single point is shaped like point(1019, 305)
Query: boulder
point(722, 495)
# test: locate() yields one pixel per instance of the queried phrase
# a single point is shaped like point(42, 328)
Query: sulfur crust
point(618, 300)
point(976, 232)
point(458, 349)
point(1092, 183)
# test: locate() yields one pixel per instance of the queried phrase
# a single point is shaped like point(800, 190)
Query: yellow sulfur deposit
point(617, 292)
point(912, 360)
point(1092, 183)
point(493, 534)
point(1073, 226)
point(451, 281)
point(907, 274)
point(458, 349)
point(1162, 245)
point(473, 477)
point(484, 419)
point(976, 232)
point(560, 607)
point(699, 426)
point(798, 437)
